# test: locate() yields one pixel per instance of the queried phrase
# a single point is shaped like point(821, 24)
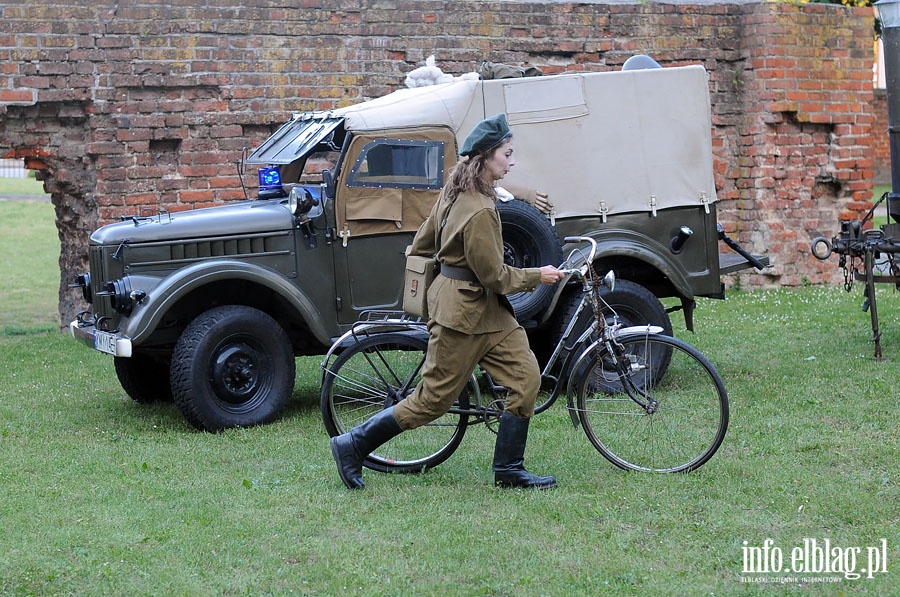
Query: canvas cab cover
point(597, 143)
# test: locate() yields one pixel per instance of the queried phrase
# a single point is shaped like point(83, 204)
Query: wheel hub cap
point(236, 373)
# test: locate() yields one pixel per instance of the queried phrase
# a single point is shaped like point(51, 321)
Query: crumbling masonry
point(128, 108)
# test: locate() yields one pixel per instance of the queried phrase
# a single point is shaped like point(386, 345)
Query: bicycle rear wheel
point(376, 373)
point(685, 413)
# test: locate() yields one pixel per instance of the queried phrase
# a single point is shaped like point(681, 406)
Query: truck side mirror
point(328, 183)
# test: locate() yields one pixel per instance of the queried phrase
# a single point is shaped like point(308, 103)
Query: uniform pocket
point(470, 305)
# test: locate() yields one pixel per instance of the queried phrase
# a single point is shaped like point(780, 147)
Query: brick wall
point(881, 143)
point(125, 106)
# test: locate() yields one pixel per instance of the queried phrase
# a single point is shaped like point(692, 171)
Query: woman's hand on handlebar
point(551, 275)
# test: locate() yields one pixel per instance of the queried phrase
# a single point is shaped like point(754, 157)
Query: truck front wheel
point(233, 366)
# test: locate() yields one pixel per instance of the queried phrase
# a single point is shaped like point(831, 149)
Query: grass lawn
point(21, 186)
point(29, 269)
point(101, 495)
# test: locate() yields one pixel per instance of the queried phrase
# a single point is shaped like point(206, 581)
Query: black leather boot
point(509, 456)
point(351, 448)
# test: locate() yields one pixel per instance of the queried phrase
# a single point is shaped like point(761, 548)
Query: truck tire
point(144, 378)
point(634, 304)
point(233, 366)
point(528, 241)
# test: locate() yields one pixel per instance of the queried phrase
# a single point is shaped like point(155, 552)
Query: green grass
point(29, 268)
point(880, 218)
point(21, 186)
point(101, 495)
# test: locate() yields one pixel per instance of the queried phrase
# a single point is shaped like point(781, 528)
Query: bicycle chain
point(600, 320)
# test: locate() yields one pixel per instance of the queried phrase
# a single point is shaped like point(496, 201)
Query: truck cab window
point(399, 163)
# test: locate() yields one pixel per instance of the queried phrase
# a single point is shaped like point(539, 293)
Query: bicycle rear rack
point(372, 322)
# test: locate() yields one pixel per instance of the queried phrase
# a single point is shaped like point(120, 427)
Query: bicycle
point(645, 400)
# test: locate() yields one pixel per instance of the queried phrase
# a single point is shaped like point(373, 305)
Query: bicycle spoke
point(685, 412)
point(376, 372)
point(403, 385)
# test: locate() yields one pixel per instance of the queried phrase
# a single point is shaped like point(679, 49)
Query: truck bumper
point(105, 342)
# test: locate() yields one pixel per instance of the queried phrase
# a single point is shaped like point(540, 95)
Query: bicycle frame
point(611, 375)
point(570, 365)
point(564, 361)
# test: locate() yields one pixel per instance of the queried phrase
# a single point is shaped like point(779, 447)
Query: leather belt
point(462, 274)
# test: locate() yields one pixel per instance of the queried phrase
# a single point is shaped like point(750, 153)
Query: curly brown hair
point(468, 174)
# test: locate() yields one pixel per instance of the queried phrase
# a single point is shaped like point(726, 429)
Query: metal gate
point(12, 169)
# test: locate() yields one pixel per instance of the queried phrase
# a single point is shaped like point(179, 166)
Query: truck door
point(388, 182)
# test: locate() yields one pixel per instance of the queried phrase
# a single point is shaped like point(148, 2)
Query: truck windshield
point(295, 138)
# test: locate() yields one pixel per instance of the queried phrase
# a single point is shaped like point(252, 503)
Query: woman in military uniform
point(471, 321)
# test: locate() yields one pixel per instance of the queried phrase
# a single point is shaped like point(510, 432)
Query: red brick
point(27, 97)
point(787, 109)
point(196, 196)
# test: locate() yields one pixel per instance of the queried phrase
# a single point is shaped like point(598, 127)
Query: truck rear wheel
point(634, 304)
point(233, 366)
point(528, 241)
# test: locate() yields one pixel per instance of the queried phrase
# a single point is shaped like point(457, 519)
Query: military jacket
point(471, 238)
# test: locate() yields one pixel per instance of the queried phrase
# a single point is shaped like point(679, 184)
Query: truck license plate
point(105, 342)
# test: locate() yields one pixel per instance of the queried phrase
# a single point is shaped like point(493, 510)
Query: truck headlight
point(301, 201)
point(83, 281)
point(120, 295)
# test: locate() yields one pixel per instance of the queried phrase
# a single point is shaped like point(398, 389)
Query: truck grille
point(181, 253)
point(104, 268)
point(256, 245)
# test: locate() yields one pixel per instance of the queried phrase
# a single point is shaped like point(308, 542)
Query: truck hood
point(245, 217)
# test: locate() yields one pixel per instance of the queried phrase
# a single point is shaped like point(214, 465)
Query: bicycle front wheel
point(641, 420)
point(376, 373)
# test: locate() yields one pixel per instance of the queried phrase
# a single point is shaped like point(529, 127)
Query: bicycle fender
point(639, 329)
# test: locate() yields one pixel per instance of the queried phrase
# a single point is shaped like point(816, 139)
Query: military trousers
point(449, 362)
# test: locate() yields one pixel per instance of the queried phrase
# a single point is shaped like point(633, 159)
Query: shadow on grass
point(25, 330)
point(304, 401)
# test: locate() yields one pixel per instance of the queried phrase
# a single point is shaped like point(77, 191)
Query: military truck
point(211, 307)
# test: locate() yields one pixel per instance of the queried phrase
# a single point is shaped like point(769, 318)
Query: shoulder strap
point(440, 228)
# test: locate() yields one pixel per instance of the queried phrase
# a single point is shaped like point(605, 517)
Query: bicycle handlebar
point(588, 260)
point(609, 280)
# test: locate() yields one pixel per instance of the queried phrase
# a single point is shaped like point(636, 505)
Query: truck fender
point(618, 242)
point(165, 294)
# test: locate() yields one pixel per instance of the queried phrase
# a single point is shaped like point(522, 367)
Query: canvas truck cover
point(597, 143)
point(607, 143)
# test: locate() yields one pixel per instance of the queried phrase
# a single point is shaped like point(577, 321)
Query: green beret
point(487, 134)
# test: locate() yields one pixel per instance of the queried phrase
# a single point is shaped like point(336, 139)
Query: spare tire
point(528, 241)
